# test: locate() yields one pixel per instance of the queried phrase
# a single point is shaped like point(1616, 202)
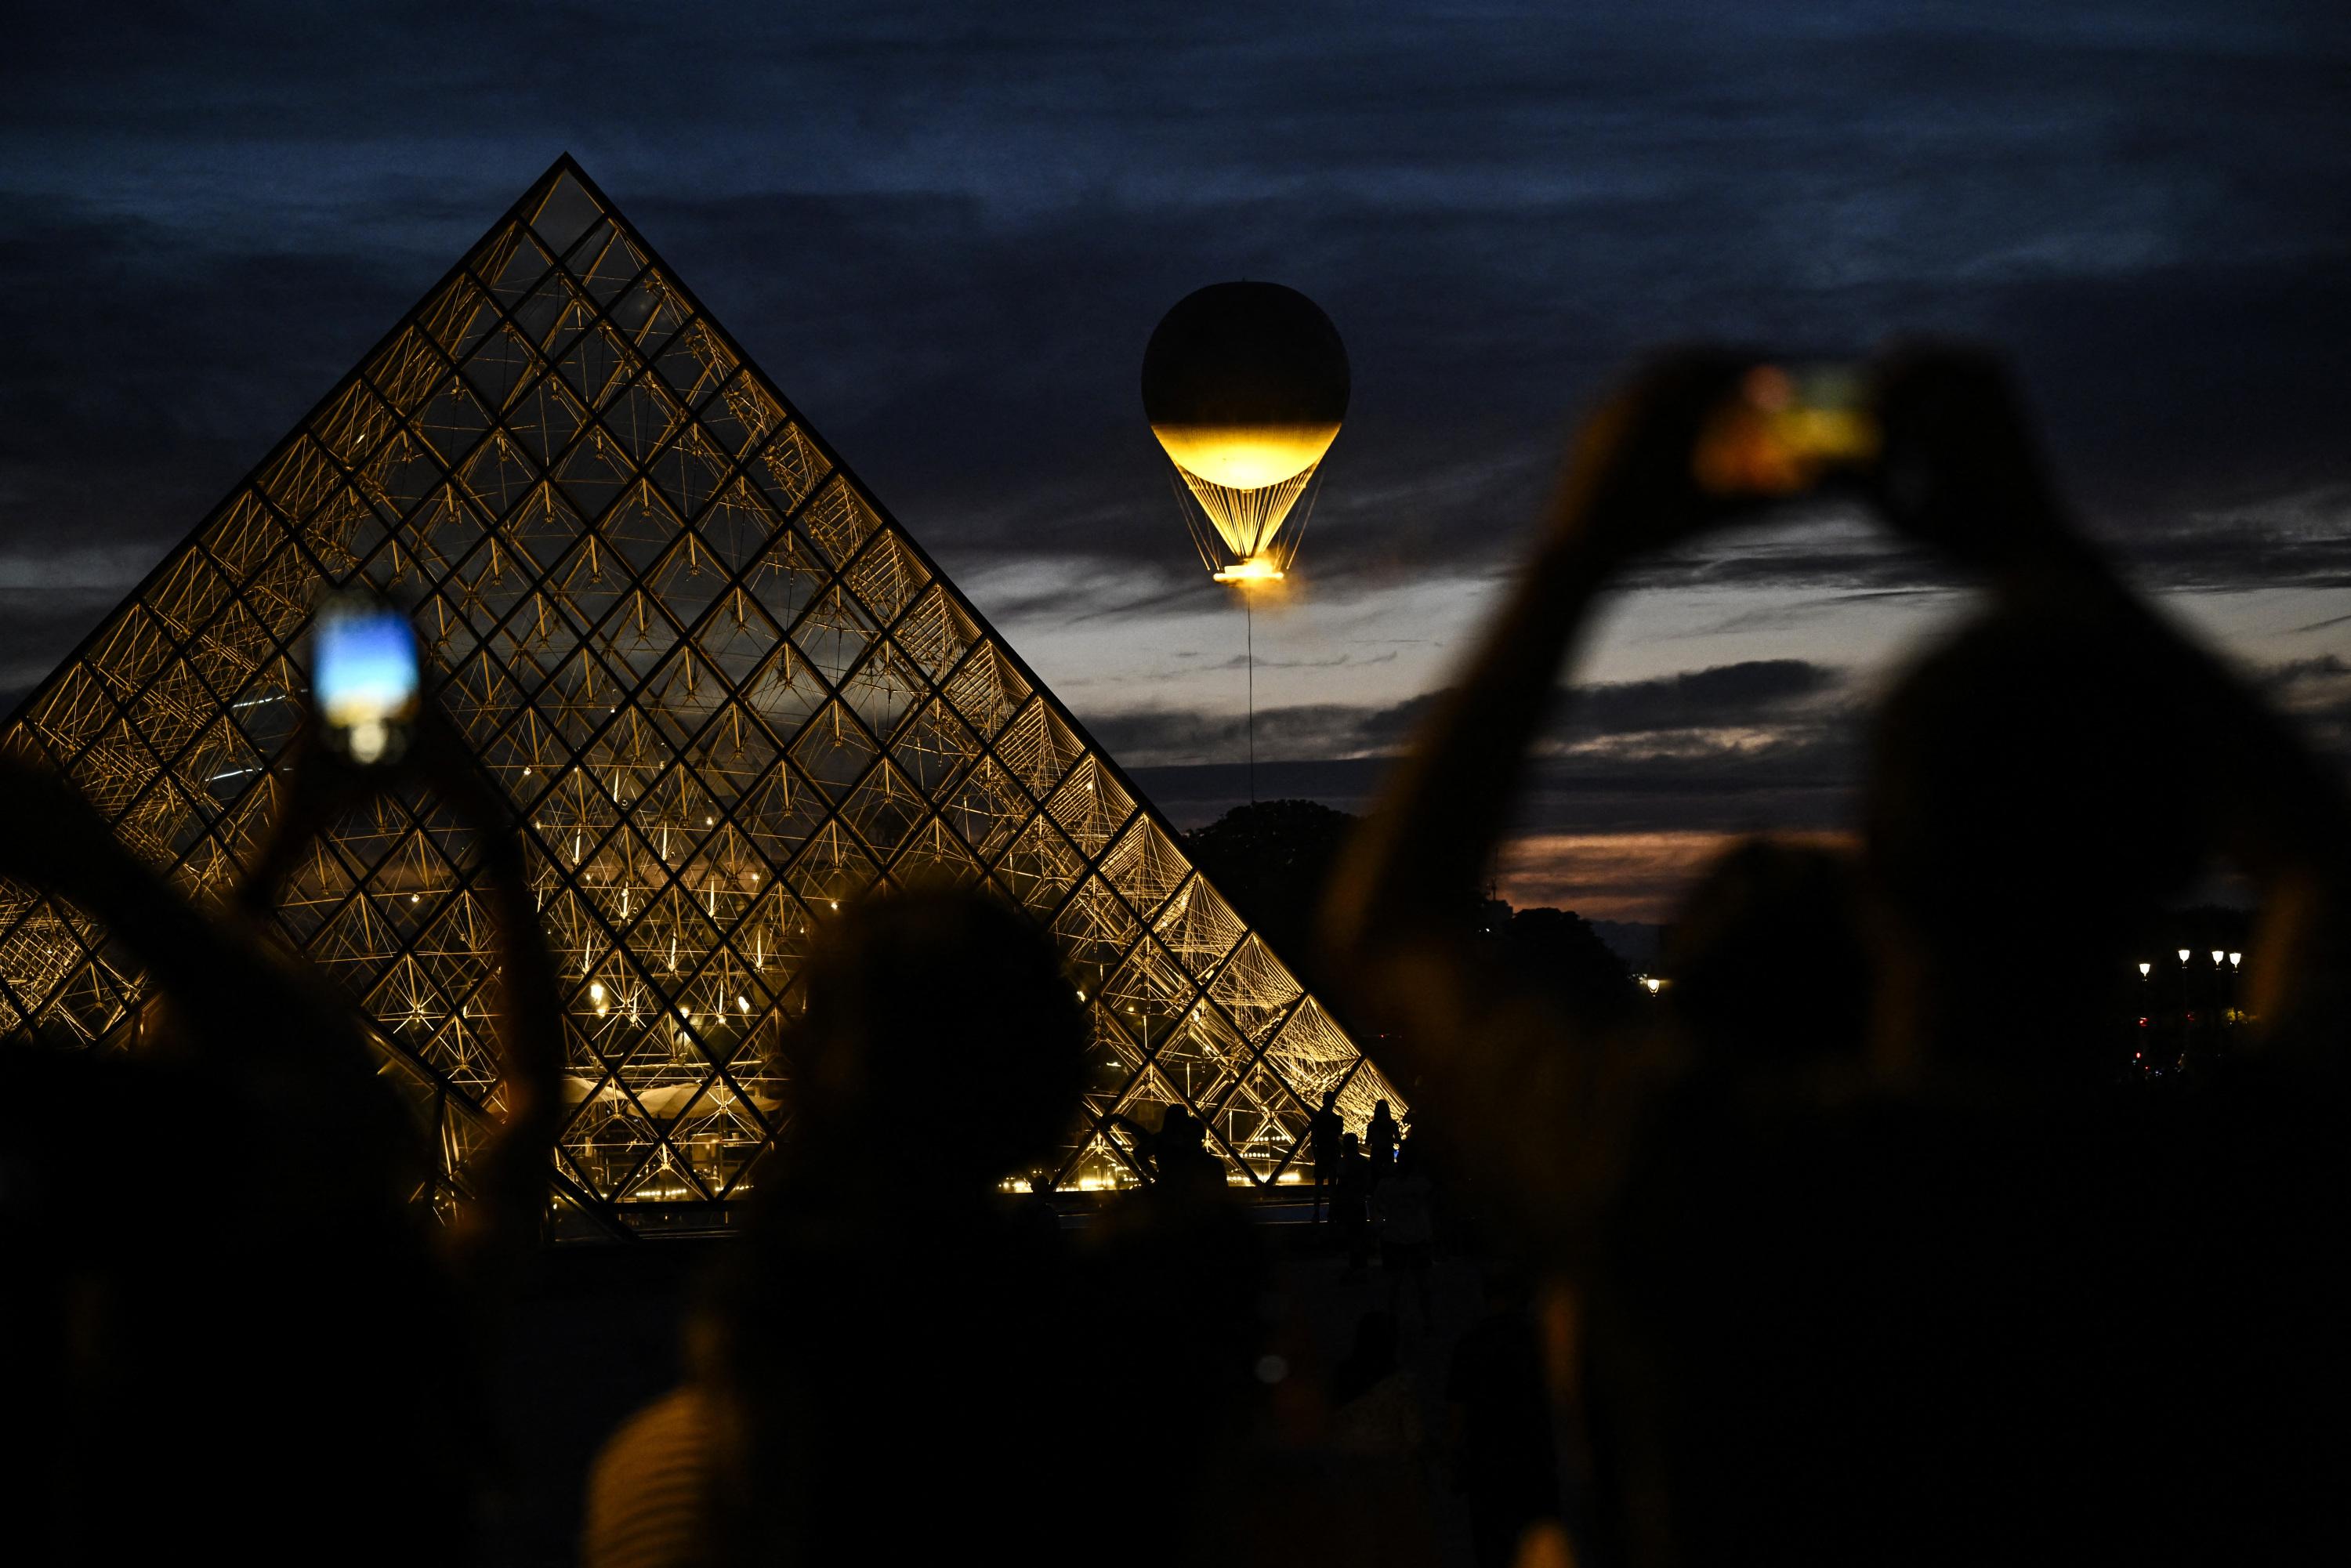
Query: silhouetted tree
point(1558, 950)
point(1271, 859)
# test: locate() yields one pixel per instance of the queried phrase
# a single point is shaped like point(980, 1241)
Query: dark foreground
point(597, 1336)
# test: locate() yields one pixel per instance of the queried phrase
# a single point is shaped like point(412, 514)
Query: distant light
point(596, 990)
point(2145, 969)
point(743, 1004)
point(2217, 955)
point(706, 821)
point(414, 897)
point(2235, 959)
point(2183, 955)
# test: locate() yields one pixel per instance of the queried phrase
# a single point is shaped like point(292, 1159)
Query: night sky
point(946, 231)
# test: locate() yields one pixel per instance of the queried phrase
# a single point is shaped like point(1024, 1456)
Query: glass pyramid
point(723, 688)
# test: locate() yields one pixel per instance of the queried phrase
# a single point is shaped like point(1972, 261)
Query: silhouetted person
point(202, 1306)
point(2034, 748)
point(1351, 1204)
point(1185, 1161)
point(1324, 1130)
point(1380, 1139)
point(1176, 1157)
point(1038, 1210)
point(882, 1264)
point(1400, 1205)
point(1904, 1311)
point(898, 1331)
point(658, 1489)
point(1506, 1454)
point(1770, 967)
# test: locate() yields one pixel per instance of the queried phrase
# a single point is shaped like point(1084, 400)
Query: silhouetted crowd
point(1838, 1253)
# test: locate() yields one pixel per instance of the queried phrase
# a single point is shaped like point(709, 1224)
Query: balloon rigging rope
point(1245, 518)
point(1238, 520)
point(1205, 537)
point(1305, 514)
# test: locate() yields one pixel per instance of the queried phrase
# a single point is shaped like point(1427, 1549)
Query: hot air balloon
point(1245, 386)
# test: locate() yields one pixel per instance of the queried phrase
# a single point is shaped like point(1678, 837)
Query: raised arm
point(1503, 1070)
point(510, 1176)
point(267, 1029)
point(52, 840)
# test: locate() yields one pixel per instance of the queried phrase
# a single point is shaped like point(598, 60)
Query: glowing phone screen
point(365, 682)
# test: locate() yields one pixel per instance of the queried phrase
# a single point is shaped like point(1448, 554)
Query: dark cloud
point(2298, 673)
point(1757, 691)
point(2315, 694)
point(149, 376)
point(1767, 741)
point(946, 233)
point(1801, 780)
point(1756, 695)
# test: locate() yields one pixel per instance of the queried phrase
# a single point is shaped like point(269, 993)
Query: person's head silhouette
point(1768, 960)
point(2030, 802)
point(939, 1029)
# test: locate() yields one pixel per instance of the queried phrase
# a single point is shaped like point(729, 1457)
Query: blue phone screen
point(365, 679)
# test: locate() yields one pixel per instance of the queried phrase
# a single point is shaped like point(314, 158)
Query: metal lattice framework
point(723, 689)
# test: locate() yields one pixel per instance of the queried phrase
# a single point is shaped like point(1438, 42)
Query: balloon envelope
point(1246, 386)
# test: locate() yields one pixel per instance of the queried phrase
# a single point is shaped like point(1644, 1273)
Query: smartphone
point(1786, 430)
point(364, 679)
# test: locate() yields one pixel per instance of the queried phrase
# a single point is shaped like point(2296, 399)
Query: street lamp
point(2143, 970)
point(2183, 955)
point(2217, 955)
point(2235, 959)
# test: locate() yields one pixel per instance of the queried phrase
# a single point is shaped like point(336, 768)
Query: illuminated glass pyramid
point(723, 688)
